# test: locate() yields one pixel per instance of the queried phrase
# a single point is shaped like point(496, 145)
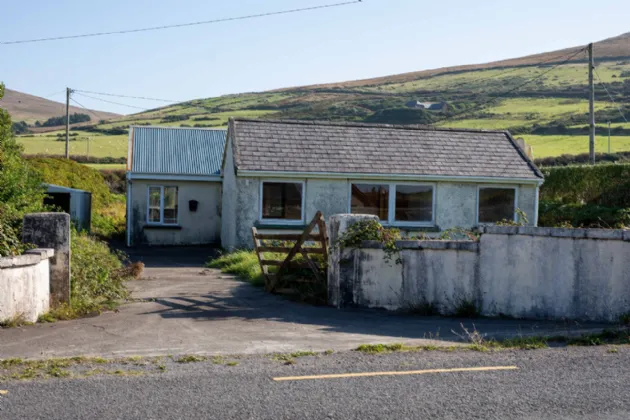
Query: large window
point(496, 204)
point(162, 205)
point(282, 201)
point(403, 204)
point(370, 199)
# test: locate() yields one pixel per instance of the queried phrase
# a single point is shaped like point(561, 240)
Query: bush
point(602, 185)
point(71, 174)
point(116, 180)
point(109, 222)
point(97, 274)
point(557, 214)
point(10, 242)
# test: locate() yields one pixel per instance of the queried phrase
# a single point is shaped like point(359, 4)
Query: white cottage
point(278, 174)
point(174, 186)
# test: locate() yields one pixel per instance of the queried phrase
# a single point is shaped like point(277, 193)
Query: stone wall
point(24, 285)
point(522, 272)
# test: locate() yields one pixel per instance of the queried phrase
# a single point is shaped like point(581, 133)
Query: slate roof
point(355, 148)
point(176, 151)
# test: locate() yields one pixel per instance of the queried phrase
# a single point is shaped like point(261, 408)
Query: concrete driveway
point(181, 307)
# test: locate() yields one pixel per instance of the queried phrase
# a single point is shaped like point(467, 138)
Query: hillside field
point(540, 98)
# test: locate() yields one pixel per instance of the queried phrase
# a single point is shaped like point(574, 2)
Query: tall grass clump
point(242, 263)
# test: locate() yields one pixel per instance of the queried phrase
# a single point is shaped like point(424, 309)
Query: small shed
point(174, 185)
point(77, 203)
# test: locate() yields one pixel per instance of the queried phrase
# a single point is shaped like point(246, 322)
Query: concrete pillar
point(52, 230)
point(336, 226)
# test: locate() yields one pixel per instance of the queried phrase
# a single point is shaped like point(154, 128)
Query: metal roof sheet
point(177, 151)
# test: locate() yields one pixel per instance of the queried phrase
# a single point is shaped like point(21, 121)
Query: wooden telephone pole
point(591, 105)
point(68, 92)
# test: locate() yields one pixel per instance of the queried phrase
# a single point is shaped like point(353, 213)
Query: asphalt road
point(564, 383)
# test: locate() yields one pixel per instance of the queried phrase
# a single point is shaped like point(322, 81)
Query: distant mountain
point(615, 48)
point(30, 108)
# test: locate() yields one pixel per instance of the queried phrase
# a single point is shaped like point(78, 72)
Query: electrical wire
point(87, 109)
point(127, 96)
point(609, 95)
point(486, 103)
point(205, 22)
point(112, 102)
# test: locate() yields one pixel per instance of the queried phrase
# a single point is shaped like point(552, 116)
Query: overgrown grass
point(98, 278)
point(242, 263)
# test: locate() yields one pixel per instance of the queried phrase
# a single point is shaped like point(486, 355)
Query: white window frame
point(281, 221)
point(499, 187)
point(161, 222)
point(391, 210)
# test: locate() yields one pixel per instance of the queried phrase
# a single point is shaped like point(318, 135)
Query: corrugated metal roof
point(177, 151)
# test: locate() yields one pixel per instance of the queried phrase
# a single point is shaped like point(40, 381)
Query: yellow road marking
point(3, 392)
point(407, 372)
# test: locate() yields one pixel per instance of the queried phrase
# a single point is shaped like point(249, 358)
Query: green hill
point(537, 97)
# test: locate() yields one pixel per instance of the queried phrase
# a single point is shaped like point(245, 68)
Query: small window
point(414, 203)
point(370, 199)
point(496, 204)
point(163, 207)
point(282, 201)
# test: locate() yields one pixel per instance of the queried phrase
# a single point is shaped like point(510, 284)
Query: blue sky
point(372, 38)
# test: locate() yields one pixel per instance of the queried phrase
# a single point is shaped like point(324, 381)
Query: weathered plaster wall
point(456, 204)
point(524, 272)
point(228, 200)
point(24, 285)
point(52, 230)
point(200, 227)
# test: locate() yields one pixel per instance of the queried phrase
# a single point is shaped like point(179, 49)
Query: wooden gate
point(281, 243)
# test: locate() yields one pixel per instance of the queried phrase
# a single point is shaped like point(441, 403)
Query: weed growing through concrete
point(17, 320)
point(232, 363)
point(190, 358)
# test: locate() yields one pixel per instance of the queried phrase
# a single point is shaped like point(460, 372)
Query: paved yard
point(186, 308)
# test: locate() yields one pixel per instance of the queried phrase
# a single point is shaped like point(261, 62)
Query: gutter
point(128, 211)
point(173, 177)
point(390, 177)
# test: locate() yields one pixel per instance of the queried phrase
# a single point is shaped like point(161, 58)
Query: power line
point(53, 94)
point(126, 96)
point(609, 95)
point(205, 22)
point(112, 102)
point(87, 109)
point(484, 104)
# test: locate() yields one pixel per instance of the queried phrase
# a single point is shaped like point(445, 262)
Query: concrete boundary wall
point(24, 285)
point(522, 272)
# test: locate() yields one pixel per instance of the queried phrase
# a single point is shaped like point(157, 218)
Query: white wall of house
point(455, 203)
point(202, 226)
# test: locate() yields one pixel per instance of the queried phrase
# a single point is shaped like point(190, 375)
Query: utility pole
point(591, 105)
point(68, 92)
point(608, 137)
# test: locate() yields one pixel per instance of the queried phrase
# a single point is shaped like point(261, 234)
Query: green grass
point(100, 145)
point(558, 145)
point(241, 263)
point(106, 166)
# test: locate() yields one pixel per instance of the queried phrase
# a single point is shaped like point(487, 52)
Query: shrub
point(10, 243)
point(97, 274)
point(602, 185)
point(371, 230)
point(110, 222)
point(558, 214)
point(71, 174)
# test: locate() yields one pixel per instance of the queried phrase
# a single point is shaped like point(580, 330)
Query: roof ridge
point(419, 127)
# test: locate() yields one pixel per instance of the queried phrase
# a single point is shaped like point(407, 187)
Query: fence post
point(338, 290)
point(52, 230)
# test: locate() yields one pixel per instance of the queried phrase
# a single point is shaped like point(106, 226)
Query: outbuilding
point(278, 174)
point(174, 185)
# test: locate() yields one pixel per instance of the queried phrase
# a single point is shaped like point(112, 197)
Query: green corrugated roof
point(177, 151)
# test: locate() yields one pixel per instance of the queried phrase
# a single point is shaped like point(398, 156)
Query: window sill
point(416, 228)
point(280, 226)
point(162, 227)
